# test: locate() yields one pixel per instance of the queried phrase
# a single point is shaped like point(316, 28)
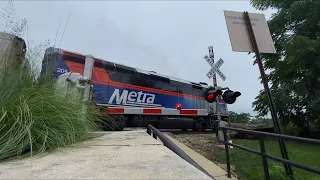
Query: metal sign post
point(283, 148)
point(255, 37)
point(212, 74)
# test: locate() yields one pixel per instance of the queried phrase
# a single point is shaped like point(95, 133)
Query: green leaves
point(296, 69)
point(239, 118)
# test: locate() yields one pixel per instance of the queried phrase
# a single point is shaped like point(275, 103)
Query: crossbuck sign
point(215, 68)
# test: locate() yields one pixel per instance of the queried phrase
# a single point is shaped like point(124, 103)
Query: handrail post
point(154, 135)
point(220, 135)
point(149, 130)
point(226, 146)
point(264, 158)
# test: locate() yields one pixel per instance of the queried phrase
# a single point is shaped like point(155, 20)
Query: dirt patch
point(201, 143)
point(206, 145)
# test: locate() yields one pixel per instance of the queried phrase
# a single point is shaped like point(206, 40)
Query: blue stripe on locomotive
point(103, 93)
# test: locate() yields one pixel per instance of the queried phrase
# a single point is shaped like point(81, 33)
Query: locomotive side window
point(74, 58)
point(126, 78)
point(77, 65)
point(117, 77)
point(107, 65)
point(98, 64)
point(121, 74)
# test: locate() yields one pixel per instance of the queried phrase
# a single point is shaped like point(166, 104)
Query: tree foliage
point(294, 71)
point(239, 118)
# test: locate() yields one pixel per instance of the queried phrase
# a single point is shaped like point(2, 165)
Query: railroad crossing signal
point(211, 93)
point(228, 96)
point(215, 68)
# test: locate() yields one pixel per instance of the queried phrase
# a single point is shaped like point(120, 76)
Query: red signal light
point(211, 93)
point(211, 97)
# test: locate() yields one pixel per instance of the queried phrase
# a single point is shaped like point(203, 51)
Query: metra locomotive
point(139, 96)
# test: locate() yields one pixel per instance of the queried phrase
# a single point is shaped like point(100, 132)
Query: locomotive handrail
point(173, 147)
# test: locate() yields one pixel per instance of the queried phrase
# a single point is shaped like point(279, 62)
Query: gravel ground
point(201, 143)
point(204, 144)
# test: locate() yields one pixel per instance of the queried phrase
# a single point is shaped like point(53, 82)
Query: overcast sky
point(167, 37)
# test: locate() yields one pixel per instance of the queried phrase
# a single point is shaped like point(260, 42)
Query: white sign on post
point(239, 35)
point(222, 76)
point(219, 63)
point(210, 73)
point(208, 60)
point(215, 68)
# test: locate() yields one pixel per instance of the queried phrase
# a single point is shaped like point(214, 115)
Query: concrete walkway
point(213, 169)
point(115, 155)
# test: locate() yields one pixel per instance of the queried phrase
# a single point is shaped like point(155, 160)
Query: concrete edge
point(214, 170)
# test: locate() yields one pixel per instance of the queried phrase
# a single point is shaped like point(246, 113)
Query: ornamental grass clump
point(35, 118)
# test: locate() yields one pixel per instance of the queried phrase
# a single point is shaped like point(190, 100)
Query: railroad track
point(173, 131)
point(179, 131)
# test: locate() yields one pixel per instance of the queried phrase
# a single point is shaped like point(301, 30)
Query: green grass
point(249, 166)
point(35, 118)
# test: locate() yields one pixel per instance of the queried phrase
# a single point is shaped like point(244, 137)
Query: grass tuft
point(35, 118)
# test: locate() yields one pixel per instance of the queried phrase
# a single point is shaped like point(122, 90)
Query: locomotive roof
point(56, 50)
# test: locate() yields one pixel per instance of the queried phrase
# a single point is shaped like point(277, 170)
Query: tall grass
point(35, 118)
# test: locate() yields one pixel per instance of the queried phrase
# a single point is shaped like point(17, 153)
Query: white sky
point(168, 37)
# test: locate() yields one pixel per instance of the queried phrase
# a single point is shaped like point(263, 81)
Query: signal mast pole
point(214, 78)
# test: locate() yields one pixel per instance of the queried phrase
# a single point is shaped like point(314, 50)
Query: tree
point(260, 120)
point(294, 71)
point(239, 118)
